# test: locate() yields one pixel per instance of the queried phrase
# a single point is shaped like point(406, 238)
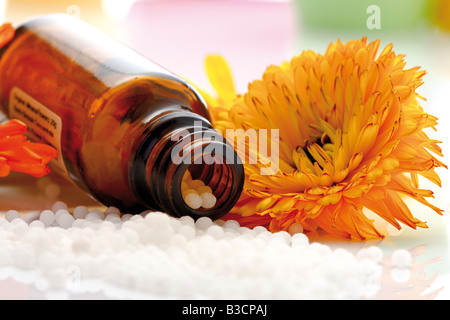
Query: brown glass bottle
point(116, 118)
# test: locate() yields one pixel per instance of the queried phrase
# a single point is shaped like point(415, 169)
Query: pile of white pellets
point(197, 195)
point(165, 257)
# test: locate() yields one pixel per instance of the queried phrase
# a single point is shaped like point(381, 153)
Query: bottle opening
point(208, 189)
point(205, 187)
point(188, 170)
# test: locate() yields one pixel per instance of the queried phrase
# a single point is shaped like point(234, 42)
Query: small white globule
point(11, 215)
point(195, 184)
point(401, 258)
point(184, 187)
point(187, 231)
point(80, 212)
point(203, 223)
point(208, 200)
point(372, 253)
point(193, 200)
point(60, 212)
point(300, 239)
point(47, 217)
point(59, 205)
point(400, 274)
point(112, 210)
point(204, 189)
point(187, 220)
point(196, 194)
point(100, 214)
point(37, 224)
point(215, 231)
point(65, 220)
point(231, 224)
point(295, 228)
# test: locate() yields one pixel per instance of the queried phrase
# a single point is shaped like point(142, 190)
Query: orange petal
point(45, 152)
point(12, 128)
point(6, 34)
point(4, 167)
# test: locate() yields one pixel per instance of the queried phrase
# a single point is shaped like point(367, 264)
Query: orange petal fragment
point(6, 34)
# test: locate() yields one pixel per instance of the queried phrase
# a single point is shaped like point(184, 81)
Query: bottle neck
point(178, 143)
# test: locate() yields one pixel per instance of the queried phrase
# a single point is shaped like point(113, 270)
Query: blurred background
point(252, 34)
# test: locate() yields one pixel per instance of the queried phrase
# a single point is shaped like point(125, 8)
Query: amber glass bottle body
point(112, 114)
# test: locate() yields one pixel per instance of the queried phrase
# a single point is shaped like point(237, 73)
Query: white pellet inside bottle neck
point(196, 194)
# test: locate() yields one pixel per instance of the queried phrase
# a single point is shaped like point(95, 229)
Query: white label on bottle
point(44, 126)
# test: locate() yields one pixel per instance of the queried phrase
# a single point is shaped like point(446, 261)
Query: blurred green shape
point(353, 14)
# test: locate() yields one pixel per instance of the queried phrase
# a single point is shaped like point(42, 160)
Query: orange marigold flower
point(16, 152)
point(351, 136)
point(19, 154)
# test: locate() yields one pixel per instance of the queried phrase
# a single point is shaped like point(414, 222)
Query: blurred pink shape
point(178, 34)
